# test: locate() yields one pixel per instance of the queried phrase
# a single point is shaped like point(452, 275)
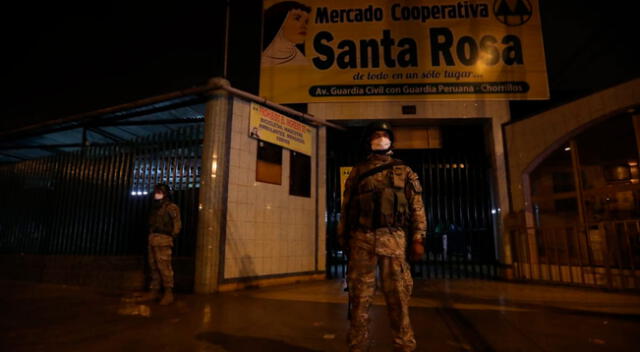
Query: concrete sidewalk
point(462, 315)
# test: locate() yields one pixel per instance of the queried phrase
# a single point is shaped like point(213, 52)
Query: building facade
point(549, 198)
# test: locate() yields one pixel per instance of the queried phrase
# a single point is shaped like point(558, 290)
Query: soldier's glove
point(417, 250)
point(343, 242)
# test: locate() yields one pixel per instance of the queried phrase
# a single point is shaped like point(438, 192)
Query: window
point(417, 137)
point(269, 163)
point(554, 191)
point(607, 153)
point(609, 170)
point(300, 175)
point(563, 182)
point(607, 162)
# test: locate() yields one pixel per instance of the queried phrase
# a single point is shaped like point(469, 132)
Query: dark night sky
point(66, 59)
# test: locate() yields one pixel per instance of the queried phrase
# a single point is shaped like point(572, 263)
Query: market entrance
point(452, 159)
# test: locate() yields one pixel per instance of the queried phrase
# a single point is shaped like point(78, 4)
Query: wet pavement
point(463, 315)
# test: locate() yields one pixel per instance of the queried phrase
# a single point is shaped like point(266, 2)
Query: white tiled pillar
point(213, 190)
point(321, 213)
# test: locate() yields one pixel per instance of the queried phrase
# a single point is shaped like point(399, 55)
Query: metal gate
point(94, 201)
point(457, 198)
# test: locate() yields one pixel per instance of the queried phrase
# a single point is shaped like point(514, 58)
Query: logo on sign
point(512, 13)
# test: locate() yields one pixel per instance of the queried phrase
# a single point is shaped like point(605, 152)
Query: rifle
point(346, 289)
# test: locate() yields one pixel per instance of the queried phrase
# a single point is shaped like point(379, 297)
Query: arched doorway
point(583, 208)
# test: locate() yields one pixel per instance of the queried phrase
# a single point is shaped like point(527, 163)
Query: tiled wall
point(268, 231)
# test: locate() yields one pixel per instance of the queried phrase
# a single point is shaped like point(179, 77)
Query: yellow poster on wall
point(270, 126)
point(354, 50)
point(344, 174)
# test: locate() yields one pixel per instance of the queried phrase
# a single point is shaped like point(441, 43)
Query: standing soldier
point(382, 198)
point(164, 226)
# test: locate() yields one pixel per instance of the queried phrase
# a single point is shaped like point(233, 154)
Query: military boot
point(167, 298)
point(152, 295)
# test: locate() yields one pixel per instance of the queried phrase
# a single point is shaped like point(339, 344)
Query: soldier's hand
point(342, 243)
point(417, 251)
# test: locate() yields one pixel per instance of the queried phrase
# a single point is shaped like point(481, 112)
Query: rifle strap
point(378, 169)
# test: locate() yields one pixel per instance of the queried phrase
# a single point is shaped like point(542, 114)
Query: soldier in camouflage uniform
point(164, 226)
point(382, 200)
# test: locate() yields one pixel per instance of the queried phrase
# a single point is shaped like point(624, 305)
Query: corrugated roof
point(110, 128)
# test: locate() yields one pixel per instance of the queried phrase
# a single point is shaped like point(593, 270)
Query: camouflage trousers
point(160, 248)
point(397, 284)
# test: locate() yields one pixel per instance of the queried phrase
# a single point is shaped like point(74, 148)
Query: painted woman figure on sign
point(285, 30)
point(254, 133)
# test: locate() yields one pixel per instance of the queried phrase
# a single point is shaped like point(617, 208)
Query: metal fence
point(604, 254)
point(95, 201)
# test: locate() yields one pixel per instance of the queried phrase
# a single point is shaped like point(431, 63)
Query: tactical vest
point(160, 220)
point(380, 200)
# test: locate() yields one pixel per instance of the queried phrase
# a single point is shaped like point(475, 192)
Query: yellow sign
point(270, 126)
point(344, 174)
point(350, 50)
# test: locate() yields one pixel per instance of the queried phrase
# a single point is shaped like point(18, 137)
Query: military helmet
point(164, 188)
point(380, 126)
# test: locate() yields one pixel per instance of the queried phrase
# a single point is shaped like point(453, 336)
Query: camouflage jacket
point(165, 218)
point(386, 236)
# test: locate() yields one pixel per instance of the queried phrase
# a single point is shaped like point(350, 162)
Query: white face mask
point(158, 196)
point(380, 143)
